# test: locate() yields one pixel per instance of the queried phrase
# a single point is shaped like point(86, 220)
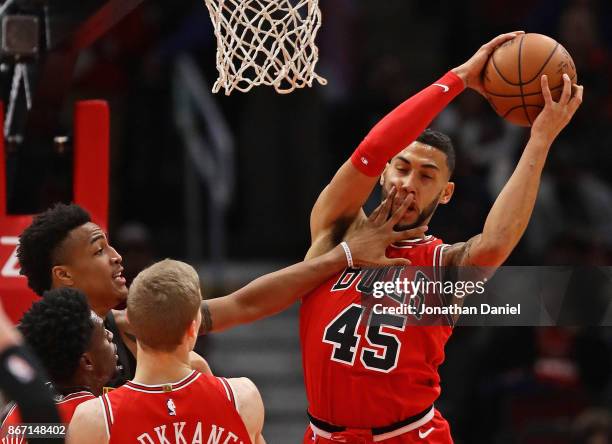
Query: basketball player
point(168, 401)
point(73, 346)
point(22, 379)
point(378, 383)
point(63, 248)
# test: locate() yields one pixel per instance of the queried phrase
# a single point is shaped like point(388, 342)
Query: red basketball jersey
point(199, 408)
point(66, 408)
point(364, 377)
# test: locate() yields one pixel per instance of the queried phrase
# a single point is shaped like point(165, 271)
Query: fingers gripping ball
point(512, 76)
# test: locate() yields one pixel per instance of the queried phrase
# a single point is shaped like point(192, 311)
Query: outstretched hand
point(556, 115)
point(369, 241)
point(471, 71)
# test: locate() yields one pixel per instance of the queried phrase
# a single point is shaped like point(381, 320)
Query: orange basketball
point(512, 76)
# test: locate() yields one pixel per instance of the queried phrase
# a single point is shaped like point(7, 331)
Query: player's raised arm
point(512, 209)
point(341, 201)
point(274, 292)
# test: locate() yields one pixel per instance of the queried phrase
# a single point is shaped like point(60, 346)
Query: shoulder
point(249, 404)
point(245, 390)
point(428, 242)
point(423, 252)
point(11, 416)
point(88, 424)
point(76, 398)
point(91, 409)
point(69, 404)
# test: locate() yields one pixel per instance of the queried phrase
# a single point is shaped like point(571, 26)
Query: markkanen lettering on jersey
point(174, 435)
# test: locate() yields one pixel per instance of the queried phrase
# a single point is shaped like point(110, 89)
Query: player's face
point(94, 267)
point(422, 171)
point(102, 354)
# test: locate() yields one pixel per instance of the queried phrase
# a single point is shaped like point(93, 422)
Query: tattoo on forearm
point(206, 325)
point(467, 249)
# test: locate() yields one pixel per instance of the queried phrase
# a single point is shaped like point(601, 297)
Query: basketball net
point(265, 42)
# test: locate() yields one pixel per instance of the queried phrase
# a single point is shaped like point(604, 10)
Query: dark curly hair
point(39, 243)
point(58, 328)
point(441, 142)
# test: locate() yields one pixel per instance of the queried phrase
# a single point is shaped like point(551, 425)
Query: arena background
point(500, 385)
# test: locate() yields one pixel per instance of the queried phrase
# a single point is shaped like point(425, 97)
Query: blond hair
point(163, 301)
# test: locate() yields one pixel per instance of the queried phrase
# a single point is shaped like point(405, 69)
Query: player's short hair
point(441, 142)
point(59, 328)
point(163, 301)
point(40, 243)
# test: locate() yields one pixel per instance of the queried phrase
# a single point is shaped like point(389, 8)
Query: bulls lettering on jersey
point(197, 409)
point(66, 408)
point(363, 369)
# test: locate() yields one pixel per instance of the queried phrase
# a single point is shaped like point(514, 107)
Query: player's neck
point(65, 390)
point(100, 309)
point(81, 382)
point(154, 367)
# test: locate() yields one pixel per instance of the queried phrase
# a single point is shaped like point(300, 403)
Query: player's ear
point(194, 328)
point(382, 176)
point(61, 276)
point(86, 363)
point(447, 193)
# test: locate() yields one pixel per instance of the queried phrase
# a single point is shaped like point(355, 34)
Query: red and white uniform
point(66, 408)
point(199, 408)
point(364, 371)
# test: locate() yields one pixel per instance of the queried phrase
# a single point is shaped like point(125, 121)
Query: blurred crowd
point(374, 55)
point(517, 385)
